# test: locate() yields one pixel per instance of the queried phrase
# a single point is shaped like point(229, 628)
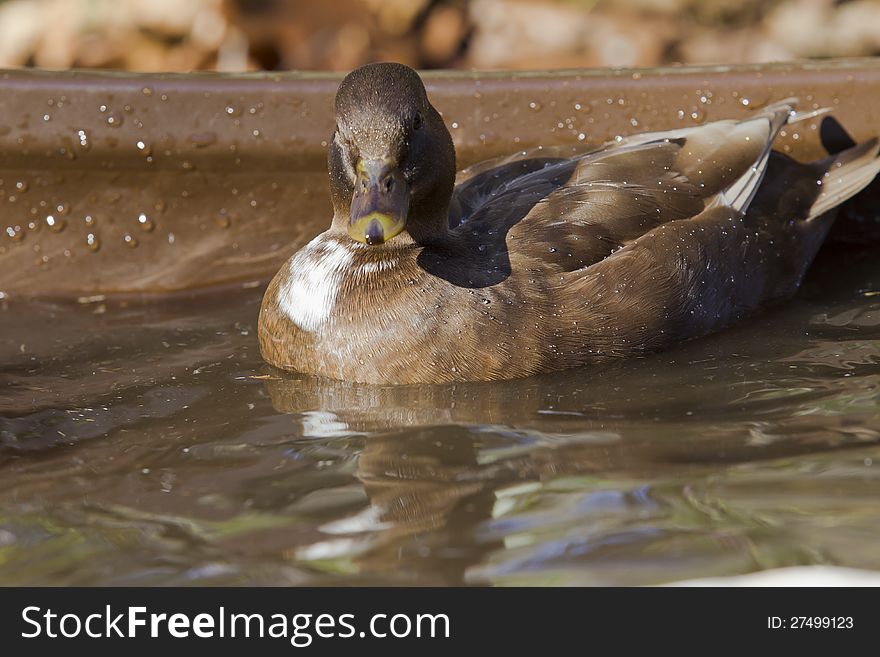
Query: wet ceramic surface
point(125, 183)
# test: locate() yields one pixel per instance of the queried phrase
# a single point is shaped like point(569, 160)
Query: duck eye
point(417, 121)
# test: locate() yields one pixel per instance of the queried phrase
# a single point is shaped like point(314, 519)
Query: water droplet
point(535, 106)
point(55, 224)
point(233, 111)
point(15, 233)
point(756, 100)
point(83, 139)
point(114, 120)
point(21, 186)
point(46, 117)
point(455, 125)
point(697, 114)
point(93, 242)
point(145, 222)
point(144, 148)
point(130, 240)
point(102, 109)
point(147, 91)
point(222, 219)
point(90, 220)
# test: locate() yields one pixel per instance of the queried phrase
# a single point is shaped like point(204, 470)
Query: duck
point(540, 262)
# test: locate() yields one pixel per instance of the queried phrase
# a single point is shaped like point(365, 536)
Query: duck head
point(391, 159)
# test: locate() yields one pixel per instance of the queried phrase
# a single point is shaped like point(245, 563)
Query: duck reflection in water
point(442, 467)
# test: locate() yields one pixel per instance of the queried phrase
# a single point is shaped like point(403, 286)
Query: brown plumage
point(536, 263)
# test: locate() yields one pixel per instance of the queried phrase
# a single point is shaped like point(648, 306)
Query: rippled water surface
point(148, 444)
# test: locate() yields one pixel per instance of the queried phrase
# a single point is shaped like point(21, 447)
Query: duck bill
point(380, 202)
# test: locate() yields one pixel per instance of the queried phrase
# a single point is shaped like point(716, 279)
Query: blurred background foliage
point(248, 35)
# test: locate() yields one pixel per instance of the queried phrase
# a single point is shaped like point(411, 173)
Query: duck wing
point(688, 278)
point(571, 213)
point(480, 182)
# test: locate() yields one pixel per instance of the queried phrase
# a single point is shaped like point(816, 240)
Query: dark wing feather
point(570, 213)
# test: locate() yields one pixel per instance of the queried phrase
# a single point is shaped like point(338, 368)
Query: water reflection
point(148, 444)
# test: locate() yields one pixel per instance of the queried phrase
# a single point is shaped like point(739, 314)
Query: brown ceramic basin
point(122, 183)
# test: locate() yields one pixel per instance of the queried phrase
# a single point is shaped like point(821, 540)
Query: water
point(146, 443)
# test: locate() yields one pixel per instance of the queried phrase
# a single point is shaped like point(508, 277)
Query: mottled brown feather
point(539, 262)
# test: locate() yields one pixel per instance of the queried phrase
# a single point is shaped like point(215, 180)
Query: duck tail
point(764, 125)
point(846, 174)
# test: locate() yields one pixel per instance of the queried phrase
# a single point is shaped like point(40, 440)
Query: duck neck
point(428, 221)
point(428, 228)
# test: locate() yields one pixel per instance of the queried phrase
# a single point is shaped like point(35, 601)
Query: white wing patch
point(316, 271)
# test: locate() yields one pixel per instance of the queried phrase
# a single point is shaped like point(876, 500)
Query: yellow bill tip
point(375, 228)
